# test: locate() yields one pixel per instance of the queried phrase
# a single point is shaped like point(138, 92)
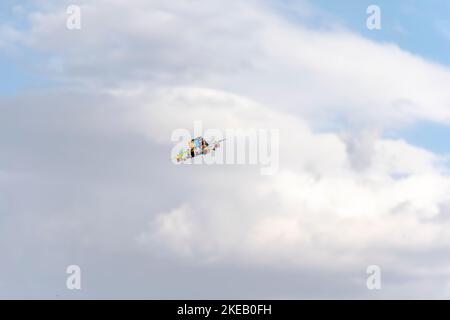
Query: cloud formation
point(87, 176)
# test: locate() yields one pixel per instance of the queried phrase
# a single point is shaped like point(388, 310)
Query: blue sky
point(415, 26)
point(17, 65)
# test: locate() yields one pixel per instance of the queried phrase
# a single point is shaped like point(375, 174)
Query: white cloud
point(340, 200)
point(175, 226)
point(319, 210)
point(247, 49)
